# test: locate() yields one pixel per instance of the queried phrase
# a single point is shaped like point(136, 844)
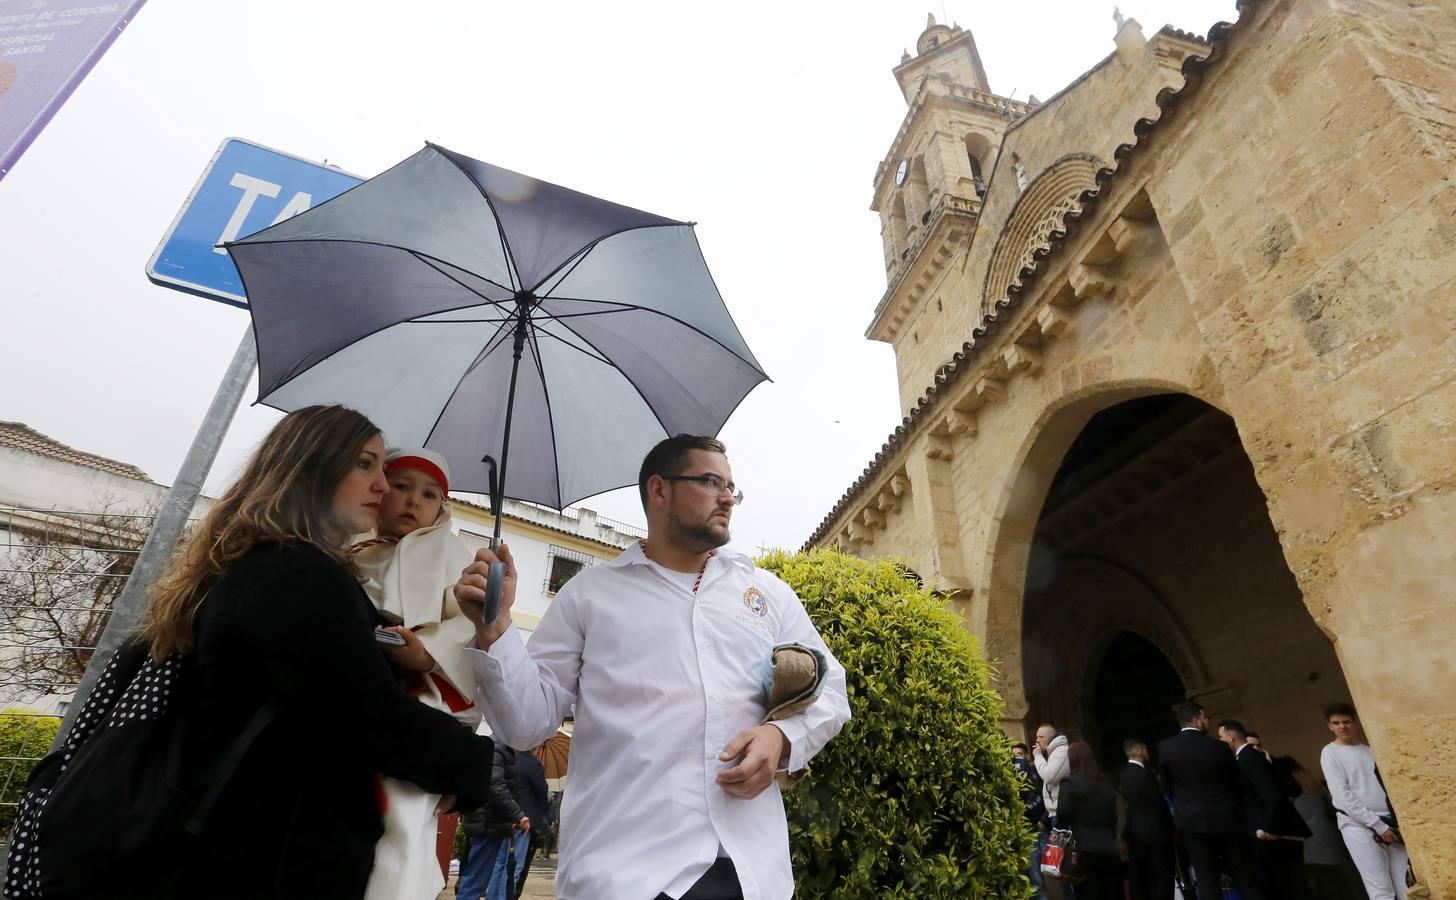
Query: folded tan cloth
point(798, 676)
point(795, 683)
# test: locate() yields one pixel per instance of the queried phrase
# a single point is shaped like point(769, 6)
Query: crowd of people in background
point(1213, 815)
point(505, 834)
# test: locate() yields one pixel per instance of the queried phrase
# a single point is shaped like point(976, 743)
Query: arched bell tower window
point(979, 156)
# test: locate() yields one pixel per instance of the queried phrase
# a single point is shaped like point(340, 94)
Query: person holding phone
point(264, 601)
point(408, 568)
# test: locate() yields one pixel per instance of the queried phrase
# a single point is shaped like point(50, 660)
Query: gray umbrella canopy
point(404, 298)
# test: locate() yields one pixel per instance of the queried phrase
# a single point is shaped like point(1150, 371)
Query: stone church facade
point(1176, 353)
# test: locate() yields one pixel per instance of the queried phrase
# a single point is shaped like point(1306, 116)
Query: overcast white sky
point(761, 121)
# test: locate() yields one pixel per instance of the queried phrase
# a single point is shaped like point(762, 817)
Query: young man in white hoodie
point(1051, 764)
point(1050, 757)
point(1367, 823)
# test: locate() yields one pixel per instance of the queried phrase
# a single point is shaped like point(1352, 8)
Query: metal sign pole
point(129, 608)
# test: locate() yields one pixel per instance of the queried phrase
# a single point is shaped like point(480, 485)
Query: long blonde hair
point(285, 493)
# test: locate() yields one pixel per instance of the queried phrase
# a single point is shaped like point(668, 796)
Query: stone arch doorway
point(1153, 564)
point(1130, 694)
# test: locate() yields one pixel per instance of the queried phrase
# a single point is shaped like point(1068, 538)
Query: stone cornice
point(925, 262)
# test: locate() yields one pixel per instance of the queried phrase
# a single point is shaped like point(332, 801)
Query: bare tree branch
point(59, 575)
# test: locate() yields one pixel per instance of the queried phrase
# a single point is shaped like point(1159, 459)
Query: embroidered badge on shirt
point(753, 599)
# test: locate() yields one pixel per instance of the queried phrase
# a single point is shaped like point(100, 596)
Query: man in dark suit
point(1148, 827)
point(1272, 821)
point(1202, 779)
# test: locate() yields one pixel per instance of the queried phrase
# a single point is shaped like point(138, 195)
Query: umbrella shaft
point(522, 310)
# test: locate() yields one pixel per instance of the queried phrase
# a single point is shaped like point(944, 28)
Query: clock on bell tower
point(928, 188)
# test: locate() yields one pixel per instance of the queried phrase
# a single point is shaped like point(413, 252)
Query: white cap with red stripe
point(420, 459)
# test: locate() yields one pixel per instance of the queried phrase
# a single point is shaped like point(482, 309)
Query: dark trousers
point(720, 882)
point(1103, 877)
point(1150, 869)
point(1279, 864)
point(1216, 855)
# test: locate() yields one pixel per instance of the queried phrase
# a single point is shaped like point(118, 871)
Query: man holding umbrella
point(663, 654)
point(578, 332)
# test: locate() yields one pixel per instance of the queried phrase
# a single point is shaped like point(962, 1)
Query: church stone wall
point(1283, 246)
point(1313, 219)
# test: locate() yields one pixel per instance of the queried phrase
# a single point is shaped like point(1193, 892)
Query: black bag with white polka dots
point(118, 798)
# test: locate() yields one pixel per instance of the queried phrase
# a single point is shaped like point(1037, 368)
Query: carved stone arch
point(1097, 601)
point(1017, 506)
point(1039, 213)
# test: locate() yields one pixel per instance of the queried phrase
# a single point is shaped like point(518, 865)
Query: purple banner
point(46, 48)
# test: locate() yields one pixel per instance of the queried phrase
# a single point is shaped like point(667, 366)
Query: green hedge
point(24, 738)
point(916, 797)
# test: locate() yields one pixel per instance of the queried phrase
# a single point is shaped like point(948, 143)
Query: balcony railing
point(949, 204)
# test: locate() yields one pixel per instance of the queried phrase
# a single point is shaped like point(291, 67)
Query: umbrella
point(468, 309)
point(554, 754)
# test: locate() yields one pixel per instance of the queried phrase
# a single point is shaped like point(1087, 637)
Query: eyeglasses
point(713, 483)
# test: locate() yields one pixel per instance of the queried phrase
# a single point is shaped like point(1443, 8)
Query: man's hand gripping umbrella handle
point(490, 570)
point(486, 590)
point(496, 578)
point(495, 584)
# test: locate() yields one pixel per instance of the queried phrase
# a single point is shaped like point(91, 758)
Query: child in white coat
point(408, 570)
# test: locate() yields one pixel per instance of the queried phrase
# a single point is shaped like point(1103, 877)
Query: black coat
point(531, 793)
point(1265, 805)
point(1031, 801)
point(1148, 818)
point(288, 626)
point(1088, 806)
point(1201, 778)
point(502, 810)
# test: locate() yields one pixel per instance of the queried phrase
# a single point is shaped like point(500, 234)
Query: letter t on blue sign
point(246, 188)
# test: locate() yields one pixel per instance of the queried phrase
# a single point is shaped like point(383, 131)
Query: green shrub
point(916, 797)
point(24, 738)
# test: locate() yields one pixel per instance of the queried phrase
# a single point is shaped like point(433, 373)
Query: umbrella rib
point(512, 318)
point(603, 357)
point(624, 306)
point(362, 242)
point(582, 350)
point(490, 345)
point(574, 261)
point(299, 369)
point(431, 262)
point(499, 228)
point(586, 248)
point(461, 321)
point(546, 393)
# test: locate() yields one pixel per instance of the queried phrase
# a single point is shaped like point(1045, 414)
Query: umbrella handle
point(495, 579)
point(495, 582)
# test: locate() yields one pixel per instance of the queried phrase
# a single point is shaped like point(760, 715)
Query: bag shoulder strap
point(1381, 781)
point(222, 773)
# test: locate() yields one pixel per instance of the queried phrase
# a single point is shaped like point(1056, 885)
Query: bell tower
point(928, 191)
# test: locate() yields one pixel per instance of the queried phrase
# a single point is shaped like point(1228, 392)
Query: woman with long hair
point(1087, 805)
point(264, 602)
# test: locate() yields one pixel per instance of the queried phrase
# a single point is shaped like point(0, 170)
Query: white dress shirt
point(662, 680)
